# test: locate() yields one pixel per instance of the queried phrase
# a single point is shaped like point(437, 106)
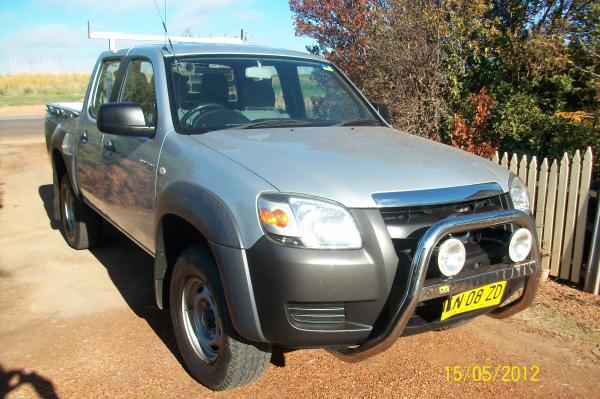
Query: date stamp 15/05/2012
point(490, 373)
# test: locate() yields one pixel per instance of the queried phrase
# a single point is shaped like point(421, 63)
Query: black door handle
point(84, 137)
point(109, 146)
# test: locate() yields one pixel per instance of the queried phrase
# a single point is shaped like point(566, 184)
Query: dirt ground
point(83, 324)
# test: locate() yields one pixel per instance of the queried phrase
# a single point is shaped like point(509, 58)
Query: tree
point(343, 30)
point(390, 49)
point(516, 75)
point(406, 68)
point(473, 138)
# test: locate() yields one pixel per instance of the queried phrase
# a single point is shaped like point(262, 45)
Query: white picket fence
point(559, 192)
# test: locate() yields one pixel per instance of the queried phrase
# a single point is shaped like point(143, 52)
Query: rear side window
point(105, 84)
point(139, 88)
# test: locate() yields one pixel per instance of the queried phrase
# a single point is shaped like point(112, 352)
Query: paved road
point(21, 129)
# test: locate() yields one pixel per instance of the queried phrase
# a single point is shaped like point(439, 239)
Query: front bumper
point(358, 302)
point(396, 325)
point(290, 283)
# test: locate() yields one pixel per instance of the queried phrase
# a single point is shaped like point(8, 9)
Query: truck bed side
point(60, 128)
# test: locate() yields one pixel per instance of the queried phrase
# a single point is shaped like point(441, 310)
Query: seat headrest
point(258, 93)
point(214, 88)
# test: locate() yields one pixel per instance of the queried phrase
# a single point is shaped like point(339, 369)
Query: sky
point(51, 35)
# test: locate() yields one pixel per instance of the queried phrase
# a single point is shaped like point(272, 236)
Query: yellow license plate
point(482, 297)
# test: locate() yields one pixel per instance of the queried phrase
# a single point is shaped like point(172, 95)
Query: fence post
point(532, 180)
point(582, 212)
point(571, 208)
point(514, 164)
point(504, 160)
point(549, 217)
point(559, 220)
point(540, 209)
point(592, 275)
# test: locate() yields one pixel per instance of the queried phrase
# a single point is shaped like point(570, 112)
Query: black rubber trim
point(211, 217)
point(203, 209)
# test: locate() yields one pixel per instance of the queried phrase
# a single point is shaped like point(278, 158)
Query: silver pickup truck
point(282, 211)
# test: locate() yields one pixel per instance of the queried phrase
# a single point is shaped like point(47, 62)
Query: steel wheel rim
point(201, 320)
point(68, 206)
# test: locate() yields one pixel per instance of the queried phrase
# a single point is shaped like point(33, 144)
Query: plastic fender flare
point(212, 218)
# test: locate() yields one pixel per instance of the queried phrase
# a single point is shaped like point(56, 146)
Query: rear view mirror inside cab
point(259, 72)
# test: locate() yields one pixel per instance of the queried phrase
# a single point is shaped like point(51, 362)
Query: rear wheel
point(213, 353)
point(81, 226)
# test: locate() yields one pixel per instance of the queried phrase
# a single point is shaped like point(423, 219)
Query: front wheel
point(214, 354)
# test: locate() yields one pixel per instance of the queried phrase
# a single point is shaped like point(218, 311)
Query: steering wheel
point(201, 108)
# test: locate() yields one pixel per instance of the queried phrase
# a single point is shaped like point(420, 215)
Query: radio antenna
point(164, 24)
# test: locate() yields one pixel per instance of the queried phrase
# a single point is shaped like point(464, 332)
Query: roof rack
point(112, 38)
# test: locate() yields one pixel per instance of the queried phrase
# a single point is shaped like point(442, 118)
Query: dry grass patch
point(27, 89)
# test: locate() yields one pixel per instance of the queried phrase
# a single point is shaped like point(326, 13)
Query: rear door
point(130, 162)
point(90, 169)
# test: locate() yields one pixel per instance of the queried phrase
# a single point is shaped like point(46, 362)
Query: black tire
point(228, 362)
point(81, 226)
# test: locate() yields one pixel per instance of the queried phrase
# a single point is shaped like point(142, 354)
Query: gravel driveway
point(84, 324)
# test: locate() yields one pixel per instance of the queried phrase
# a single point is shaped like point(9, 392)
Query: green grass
point(34, 89)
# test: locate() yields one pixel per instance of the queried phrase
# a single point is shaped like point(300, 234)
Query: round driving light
point(451, 257)
point(520, 245)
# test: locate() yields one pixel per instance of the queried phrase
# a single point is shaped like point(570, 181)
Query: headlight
point(520, 245)
point(451, 257)
point(518, 194)
point(306, 222)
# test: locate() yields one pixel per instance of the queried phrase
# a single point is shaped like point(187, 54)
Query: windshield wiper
point(272, 123)
point(359, 122)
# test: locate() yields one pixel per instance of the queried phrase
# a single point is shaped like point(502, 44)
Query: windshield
point(252, 92)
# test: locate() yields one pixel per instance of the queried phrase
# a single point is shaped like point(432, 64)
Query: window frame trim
point(127, 62)
point(92, 97)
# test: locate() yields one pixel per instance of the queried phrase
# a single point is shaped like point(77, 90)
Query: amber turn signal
point(275, 217)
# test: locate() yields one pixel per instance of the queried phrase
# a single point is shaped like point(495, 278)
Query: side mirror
point(124, 119)
point(383, 110)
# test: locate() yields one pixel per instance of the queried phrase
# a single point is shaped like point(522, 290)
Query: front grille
point(426, 215)
point(485, 247)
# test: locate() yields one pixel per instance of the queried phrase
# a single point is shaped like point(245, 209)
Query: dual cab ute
point(281, 209)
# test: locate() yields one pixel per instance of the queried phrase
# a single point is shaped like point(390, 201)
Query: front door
point(90, 170)
point(130, 162)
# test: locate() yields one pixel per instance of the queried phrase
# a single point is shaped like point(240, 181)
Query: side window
point(105, 84)
point(139, 88)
